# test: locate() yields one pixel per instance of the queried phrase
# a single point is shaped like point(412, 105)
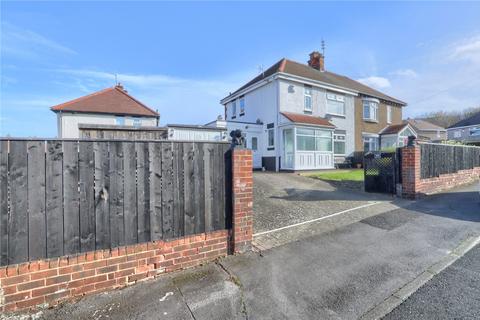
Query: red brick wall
point(242, 227)
point(413, 186)
point(51, 281)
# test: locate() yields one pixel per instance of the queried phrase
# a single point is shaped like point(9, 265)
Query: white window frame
point(307, 93)
point(242, 106)
point(136, 122)
point(372, 110)
point(344, 141)
point(120, 120)
point(369, 137)
point(330, 96)
point(234, 109)
point(389, 114)
point(271, 131)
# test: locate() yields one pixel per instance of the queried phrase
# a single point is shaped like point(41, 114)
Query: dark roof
point(419, 124)
point(114, 100)
point(471, 121)
point(305, 71)
point(394, 128)
point(306, 119)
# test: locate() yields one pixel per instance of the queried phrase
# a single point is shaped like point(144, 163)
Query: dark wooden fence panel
point(437, 159)
point(62, 197)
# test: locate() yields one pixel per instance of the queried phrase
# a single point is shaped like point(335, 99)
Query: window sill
point(336, 115)
point(270, 148)
point(370, 120)
point(307, 112)
point(234, 117)
point(242, 114)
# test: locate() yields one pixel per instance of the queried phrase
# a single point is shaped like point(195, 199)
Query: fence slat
point(37, 234)
point(188, 187)
point(439, 159)
point(167, 190)
point(199, 188)
point(102, 196)
point(219, 188)
point(130, 190)
point(86, 171)
point(178, 196)
point(18, 222)
point(143, 191)
point(71, 205)
point(3, 202)
point(54, 198)
point(117, 230)
point(209, 185)
point(155, 165)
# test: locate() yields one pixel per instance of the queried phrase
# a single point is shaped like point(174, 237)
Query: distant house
point(396, 135)
point(299, 116)
point(466, 131)
point(111, 107)
point(427, 130)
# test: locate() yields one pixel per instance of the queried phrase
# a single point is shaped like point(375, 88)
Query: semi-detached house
point(301, 117)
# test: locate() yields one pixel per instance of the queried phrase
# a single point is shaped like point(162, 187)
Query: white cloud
point(468, 49)
point(28, 44)
point(405, 73)
point(376, 82)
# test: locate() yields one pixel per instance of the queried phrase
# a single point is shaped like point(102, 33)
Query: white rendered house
point(298, 116)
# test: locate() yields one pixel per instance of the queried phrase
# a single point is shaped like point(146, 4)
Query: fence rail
point(61, 197)
point(437, 159)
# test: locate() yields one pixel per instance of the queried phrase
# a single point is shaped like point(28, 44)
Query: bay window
point(314, 140)
point(308, 99)
point(335, 104)
point(370, 110)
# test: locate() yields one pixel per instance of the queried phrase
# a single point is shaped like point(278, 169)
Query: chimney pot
point(317, 61)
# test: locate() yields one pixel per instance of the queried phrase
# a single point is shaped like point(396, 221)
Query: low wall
point(47, 282)
point(413, 186)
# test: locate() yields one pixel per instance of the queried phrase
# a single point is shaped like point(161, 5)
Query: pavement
point(453, 294)
point(338, 272)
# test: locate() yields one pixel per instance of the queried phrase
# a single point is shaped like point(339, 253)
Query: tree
point(448, 118)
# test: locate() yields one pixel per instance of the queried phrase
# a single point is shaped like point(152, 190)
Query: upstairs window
point(120, 121)
point(457, 133)
point(308, 99)
point(234, 109)
point(475, 132)
point(242, 106)
point(389, 114)
point(370, 110)
point(335, 104)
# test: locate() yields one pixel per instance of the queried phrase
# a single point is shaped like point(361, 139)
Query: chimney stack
point(317, 61)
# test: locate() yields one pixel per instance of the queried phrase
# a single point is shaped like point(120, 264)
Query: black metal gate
point(382, 171)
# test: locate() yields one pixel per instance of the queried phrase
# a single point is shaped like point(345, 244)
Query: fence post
point(242, 197)
point(410, 171)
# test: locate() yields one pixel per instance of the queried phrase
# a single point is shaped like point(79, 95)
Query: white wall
point(292, 100)
point(259, 104)
point(192, 134)
point(68, 122)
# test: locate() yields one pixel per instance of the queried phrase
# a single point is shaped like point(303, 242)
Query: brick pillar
point(410, 172)
point(242, 197)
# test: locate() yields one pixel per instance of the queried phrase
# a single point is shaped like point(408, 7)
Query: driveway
point(340, 274)
point(288, 207)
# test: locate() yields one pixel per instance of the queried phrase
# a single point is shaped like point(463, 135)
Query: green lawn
point(339, 175)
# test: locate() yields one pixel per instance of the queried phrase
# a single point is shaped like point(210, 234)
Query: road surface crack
point(233, 278)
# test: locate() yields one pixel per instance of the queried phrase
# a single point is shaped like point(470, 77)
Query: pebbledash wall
point(46, 282)
point(414, 186)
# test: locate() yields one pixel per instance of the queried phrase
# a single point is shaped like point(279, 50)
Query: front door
point(253, 143)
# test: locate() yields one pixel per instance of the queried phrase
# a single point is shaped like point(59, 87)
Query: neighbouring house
point(396, 135)
point(183, 132)
point(466, 131)
point(301, 117)
point(112, 107)
point(427, 130)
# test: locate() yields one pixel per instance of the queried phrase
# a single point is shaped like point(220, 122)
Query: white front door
point(253, 142)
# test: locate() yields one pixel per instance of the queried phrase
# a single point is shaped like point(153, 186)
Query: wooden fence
point(61, 197)
point(439, 159)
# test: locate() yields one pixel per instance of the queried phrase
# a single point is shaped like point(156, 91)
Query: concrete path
point(337, 274)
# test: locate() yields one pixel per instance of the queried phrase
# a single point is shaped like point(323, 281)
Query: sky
point(182, 58)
